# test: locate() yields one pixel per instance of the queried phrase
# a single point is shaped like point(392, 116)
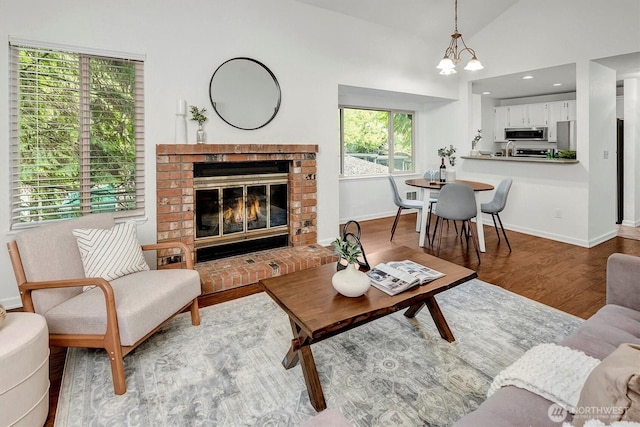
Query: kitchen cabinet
point(528, 115)
point(500, 121)
point(517, 116)
point(532, 115)
point(560, 111)
point(537, 115)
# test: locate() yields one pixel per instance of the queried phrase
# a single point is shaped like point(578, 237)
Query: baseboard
point(10, 303)
point(378, 215)
point(629, 223)
point(603, 238)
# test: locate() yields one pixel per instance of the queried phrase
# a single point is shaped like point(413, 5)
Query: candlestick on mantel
point(181, 122)
point(181, 107)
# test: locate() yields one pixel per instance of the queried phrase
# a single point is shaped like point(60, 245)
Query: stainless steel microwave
point(528, 134)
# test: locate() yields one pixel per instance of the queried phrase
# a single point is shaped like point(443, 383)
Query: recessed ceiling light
point(527, 77)
point(486, 93)
point(557, 84)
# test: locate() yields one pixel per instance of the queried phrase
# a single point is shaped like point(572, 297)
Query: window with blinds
point(77, 135)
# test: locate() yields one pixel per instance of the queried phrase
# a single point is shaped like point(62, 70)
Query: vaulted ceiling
point(429, 19)
point(433, 20)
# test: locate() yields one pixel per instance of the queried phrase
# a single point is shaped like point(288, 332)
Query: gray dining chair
point(457, 202)
point(403, 203)
point(495, 206)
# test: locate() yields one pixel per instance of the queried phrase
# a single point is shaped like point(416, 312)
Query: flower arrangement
point(476, 139)
point(449, 154)
point(197, 115)
point(347, 250)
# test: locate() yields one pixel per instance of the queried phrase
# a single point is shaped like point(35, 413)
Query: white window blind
point(77, 135)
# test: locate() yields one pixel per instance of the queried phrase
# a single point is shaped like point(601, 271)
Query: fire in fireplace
point(240, 207)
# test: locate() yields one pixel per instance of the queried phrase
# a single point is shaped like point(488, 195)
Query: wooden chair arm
point(171, 245)
point(110, 301)
point(69, 283)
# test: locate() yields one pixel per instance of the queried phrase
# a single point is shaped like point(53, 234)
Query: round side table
point(24, 370)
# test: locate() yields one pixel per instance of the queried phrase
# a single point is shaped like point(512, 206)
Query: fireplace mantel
point(175, 194)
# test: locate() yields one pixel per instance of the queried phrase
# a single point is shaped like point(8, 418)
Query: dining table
point(437, 185)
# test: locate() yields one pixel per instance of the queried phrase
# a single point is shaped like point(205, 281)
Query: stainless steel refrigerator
point(566, 132)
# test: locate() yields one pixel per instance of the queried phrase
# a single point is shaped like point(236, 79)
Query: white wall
point(311, 51)
point(631, 214)
point(602, 142)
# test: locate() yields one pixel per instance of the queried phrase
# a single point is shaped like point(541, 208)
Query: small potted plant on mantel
point(197, 115)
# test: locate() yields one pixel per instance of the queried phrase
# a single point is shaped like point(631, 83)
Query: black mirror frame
point(275, 81)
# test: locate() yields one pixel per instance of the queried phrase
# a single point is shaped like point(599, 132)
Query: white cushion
point(110, 254)
point(24, 370)
point(143, 301)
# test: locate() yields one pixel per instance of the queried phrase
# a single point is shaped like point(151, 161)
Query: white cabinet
point(500, 121)
point(517, 116)
point(558, 112)
point(537, 115)
point(528, 115)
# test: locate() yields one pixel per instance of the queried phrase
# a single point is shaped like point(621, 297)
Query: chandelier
point(447, 64)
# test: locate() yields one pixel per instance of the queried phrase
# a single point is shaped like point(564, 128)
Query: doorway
point(620, 169)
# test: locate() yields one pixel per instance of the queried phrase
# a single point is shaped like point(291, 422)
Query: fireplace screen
point(227, 211)
point(240, 208)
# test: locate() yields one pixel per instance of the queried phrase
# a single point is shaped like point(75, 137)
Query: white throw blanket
point(552, 371)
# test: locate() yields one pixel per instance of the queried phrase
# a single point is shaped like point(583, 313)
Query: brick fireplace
point(176, 201)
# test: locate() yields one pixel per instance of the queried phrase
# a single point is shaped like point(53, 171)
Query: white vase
point(201, 136)
point(451, 175)
point(351, 282)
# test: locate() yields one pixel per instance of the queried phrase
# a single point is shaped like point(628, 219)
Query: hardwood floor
point(567, 277)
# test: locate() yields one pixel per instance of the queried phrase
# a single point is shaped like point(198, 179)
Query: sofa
point(615, 324)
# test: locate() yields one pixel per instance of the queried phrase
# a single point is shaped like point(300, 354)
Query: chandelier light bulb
point(474, 65)
point(446, 64)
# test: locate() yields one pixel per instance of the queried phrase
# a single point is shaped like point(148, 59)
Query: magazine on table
point(397, 276)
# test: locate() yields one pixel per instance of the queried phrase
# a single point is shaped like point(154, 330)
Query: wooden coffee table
point(316, 311)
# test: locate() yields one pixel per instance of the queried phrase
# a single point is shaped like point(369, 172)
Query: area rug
point(393, 371)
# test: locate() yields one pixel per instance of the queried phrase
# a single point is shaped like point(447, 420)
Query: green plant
point(448, 153)
point(198, 115)
point(476, 139)
point(349, 251)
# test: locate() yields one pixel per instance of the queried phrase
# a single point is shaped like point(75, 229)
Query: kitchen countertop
point(523, 159)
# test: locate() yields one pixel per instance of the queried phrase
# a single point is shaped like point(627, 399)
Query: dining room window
point(77, 133)
point(375, 141)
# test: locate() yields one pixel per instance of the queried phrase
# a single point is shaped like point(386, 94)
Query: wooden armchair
point(116, 315)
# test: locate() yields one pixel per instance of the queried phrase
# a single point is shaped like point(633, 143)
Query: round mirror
point(244, 93)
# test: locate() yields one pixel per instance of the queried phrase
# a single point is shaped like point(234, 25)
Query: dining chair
point(495, 206)
point(457, 202)
point(403, 203)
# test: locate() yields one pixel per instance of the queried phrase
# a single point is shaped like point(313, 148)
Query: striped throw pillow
point(110, 253)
